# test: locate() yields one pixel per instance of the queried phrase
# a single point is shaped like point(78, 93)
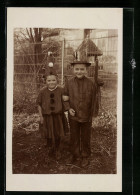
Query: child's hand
point(41, 119)
point(65, 98)
point(72, 112)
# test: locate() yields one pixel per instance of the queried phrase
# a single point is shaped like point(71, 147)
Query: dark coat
point(50, 101)
point(81, 94)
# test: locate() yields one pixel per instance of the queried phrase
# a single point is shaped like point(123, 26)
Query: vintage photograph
point(65, 85)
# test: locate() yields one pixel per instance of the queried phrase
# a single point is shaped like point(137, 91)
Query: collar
point(80, 79)
point(53, 88)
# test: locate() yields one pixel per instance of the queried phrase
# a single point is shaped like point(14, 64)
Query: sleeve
point(39, 99)
point(65, 97)
point(66, 105)
point(66, 88)
point(95, 105)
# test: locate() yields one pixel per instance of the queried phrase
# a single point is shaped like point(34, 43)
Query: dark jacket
point(50, 101)
point(81, 94)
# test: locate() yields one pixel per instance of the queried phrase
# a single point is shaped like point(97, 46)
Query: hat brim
point(80, 62)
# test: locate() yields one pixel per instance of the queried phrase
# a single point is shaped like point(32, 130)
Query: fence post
point(62, 70)
point(96, 68)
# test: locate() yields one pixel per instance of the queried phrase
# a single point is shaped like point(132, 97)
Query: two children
point(79, 97)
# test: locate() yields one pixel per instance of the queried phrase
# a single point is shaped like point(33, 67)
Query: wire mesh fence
point(31, 60)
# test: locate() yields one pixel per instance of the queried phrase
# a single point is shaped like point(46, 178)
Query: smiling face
point(80, 70)
point(51, 81)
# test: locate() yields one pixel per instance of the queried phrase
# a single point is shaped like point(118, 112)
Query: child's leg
point(49, 142)
point(85, 139)
point(57, 148)
point(51, 149)
point(85, 142)
point(57, 143)
point(58, 133)
point(42, 129)
point(75, 138)
point(49, 134)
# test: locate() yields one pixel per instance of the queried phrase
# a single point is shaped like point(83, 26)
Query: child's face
point(80, 70)
point(51, 81)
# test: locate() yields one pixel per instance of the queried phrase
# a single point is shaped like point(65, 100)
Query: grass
point(30, 154)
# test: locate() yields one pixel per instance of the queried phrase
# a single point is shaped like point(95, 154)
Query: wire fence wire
point(31, 60)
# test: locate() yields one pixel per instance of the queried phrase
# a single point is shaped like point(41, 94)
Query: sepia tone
point(34, 48)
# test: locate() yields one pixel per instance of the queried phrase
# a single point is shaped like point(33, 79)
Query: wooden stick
point(73, 165)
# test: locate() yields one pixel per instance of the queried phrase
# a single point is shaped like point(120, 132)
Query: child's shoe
point(84, 162)
point(51, 152)
point(58, 155)
point(77, 161)
point(70, 160)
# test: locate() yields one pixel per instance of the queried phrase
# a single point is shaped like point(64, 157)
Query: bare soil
point(30, 154)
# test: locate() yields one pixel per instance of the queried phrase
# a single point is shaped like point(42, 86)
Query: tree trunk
point(38, 45)
point(37, 53)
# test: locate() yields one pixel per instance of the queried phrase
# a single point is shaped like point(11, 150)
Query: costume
point(81, 93)
point(51, 105)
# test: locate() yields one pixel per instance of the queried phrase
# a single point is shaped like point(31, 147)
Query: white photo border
point(103, 18)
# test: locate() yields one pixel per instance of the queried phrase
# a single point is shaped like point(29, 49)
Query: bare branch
point(21, 46)
point(28, 34)
point(24, 36)
point(31, 34)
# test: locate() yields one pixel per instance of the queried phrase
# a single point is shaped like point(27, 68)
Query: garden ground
point(30, 154)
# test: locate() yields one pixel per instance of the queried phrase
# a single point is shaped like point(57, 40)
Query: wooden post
point(96, 68)
point(62, 70)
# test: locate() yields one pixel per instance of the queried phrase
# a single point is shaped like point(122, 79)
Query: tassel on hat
point(50, 69)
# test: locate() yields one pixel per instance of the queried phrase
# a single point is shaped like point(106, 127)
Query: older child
point(79, 96)
point(50, 111)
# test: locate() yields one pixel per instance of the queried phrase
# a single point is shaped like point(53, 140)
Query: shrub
point(24, 102)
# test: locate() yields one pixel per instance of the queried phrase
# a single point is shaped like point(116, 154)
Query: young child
point(50, 111)
point(79, 97)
